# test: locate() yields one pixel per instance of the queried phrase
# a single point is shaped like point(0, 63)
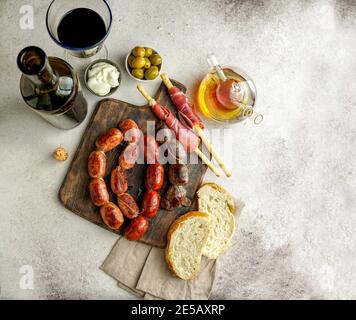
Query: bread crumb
point(60, 154)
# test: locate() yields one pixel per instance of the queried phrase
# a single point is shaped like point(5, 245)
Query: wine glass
point(80, 27)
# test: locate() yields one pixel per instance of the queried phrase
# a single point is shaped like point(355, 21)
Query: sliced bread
point(220, 207)
point(186, 239)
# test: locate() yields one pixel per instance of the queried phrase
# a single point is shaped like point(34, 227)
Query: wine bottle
point(51, 87)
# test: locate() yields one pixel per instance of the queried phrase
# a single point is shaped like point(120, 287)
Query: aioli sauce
point(102, 77)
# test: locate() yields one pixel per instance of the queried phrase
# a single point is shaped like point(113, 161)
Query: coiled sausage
point(97, 164)
point(112, 216)
point(136, 228)
point(98, 192)
point(128, 205)
point(118, 181)
point(129, 156)
point(150, 203)
point(154, 176)
point(109, 140)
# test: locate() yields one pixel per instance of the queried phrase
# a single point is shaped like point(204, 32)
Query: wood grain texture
point(74, 192)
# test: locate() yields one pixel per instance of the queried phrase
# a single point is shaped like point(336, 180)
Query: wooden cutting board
point(74, 192)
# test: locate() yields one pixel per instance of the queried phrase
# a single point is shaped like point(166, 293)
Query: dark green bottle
point(51, 87)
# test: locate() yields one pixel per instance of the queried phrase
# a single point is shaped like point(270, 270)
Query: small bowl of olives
point(143, 63)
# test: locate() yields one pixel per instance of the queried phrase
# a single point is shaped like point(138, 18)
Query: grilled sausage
point(128, 205)
point(109, 140)
point(97, 164)
point(98, 192)
point(151, 149)
point(136, 228)
point(130, 130)
point(150, 203)
point(118, 181)
point(129, 156)
point(154, 176)
point(112, 216)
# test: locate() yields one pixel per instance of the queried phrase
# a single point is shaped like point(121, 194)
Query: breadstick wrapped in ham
point(188, 138)
point(180, 100)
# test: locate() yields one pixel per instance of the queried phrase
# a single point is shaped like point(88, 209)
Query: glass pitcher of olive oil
point(227, 94)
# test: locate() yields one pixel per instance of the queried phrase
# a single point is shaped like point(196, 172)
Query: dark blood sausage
point(151, 149)
point(130, 130)
point(154, 176)
point(97, 164)
point(118, 181)
point(128, 205)
point(175, 197)
point(150, 203)
point(178, 174)
point(112, 216)
point(109, 140)
point(136, 228)
point(98, 192)
point(129, 156)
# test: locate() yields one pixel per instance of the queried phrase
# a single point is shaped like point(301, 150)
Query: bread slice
point(186, 239)
point(220, 206)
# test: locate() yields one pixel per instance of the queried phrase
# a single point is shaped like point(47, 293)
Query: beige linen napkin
point(141, 270)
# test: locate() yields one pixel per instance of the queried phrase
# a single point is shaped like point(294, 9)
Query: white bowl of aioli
point(86, 77)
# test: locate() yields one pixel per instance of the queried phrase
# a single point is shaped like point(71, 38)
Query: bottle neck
point(46, 78)
point(34, 64)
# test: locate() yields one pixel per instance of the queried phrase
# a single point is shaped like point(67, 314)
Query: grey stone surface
point(295, 172)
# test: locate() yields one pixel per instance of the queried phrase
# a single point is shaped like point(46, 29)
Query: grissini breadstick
point(212, 150)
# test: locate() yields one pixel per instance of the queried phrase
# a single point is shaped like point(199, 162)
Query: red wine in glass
point(81, 28)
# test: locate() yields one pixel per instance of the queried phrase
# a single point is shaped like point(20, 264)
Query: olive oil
point(209, 97)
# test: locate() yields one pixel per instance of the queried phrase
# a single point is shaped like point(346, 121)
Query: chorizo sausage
point(129, 156)
point(98, 192)
point(112, 216)
point(151, 149)
point(136, 228)
point(97, 164)
point(128, 205)
point(130, 131)
point(118, 181)
point(150, 203)
point(154, 176)
point(109, 140)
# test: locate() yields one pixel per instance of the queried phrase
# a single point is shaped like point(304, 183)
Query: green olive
point(138, 73)
point(151, 73)
point(138, 63)
point(155, 67)
point(139, 52)
point(130, 59)
point(148, 52)
point(156, 59)
point(148, 63)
